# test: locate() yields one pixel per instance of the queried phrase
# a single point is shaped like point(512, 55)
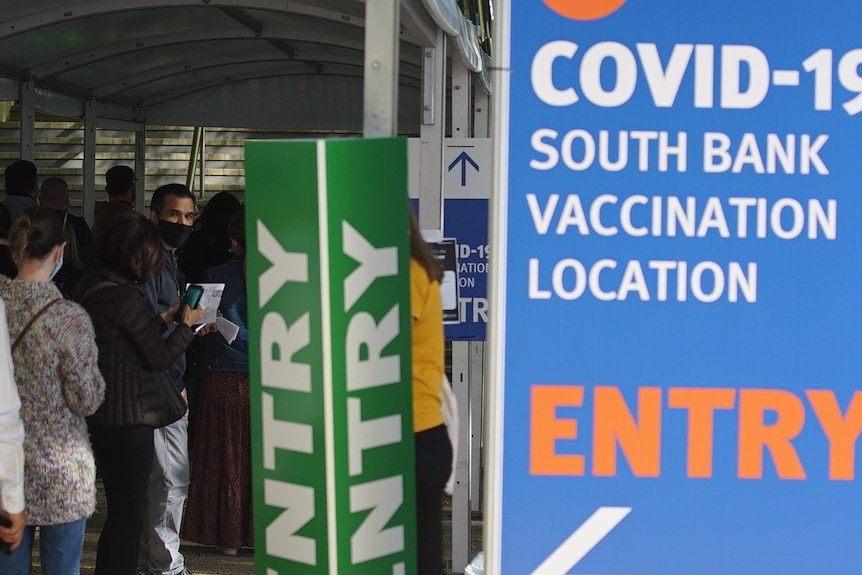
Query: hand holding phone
point(190, 299)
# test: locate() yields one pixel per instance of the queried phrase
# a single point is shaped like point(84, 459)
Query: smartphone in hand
point(191, 299)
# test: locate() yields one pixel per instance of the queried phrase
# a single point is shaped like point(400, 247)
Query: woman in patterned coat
point(57, 372)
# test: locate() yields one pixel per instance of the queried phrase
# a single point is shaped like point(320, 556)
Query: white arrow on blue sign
point(582, 541)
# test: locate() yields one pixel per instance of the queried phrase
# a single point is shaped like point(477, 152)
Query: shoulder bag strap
point(95, 288)
point(32, 320)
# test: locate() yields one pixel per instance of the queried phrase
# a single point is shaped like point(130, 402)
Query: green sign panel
point(329, 324)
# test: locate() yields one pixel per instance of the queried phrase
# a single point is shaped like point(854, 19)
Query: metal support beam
point(461, 504)
point(476, 427)
point(481, 129)
point(481, 113)
point(202, 189)
point(89, 199)
point(461, 490)
point(380, 103)
point(429, 69)
point(193, 158)
point(431, 135)
point(28, 120)
point(462, 108)
point(140, 167)
point(119, 125)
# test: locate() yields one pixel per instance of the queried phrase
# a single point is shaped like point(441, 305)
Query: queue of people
point(99, 359)
point(100, 353)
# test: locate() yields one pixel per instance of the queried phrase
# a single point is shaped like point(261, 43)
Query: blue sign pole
point(675, 339)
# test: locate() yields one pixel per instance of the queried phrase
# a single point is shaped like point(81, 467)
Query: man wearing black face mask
point(173, 212)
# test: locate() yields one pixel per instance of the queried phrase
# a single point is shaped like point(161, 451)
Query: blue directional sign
point(466, 189)
point(467, 221)
point(679, 351)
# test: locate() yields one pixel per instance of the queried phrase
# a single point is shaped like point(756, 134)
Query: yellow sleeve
point(426, 309)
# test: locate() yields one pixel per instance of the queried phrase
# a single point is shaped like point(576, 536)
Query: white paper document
point(227, 328)
point(210, 301)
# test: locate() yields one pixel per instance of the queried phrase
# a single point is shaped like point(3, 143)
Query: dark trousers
point(124, 456)
point(433, 467)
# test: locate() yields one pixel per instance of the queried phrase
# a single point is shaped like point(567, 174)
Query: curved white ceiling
point(266, 63)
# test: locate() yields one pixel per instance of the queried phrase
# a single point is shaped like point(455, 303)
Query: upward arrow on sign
point(463, 158)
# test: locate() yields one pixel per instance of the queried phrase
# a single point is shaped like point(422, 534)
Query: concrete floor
point(202, 560)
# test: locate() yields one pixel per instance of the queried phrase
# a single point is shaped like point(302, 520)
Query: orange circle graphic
point(584, 9)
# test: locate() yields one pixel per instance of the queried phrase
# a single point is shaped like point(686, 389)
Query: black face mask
point(175, 235)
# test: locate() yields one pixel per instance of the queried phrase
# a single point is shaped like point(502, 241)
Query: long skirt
point(219, 508)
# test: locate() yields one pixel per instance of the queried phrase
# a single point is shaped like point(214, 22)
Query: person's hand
point(185, 395)
point(192, 316)
point(207, 329)
point(12, 535)
point(170, 313)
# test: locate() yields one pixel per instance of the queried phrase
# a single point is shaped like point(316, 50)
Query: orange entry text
point(637, 430)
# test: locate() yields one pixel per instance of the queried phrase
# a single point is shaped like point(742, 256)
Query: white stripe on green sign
point(329, 329)
point(326, 324)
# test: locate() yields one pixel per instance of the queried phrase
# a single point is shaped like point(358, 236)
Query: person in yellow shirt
point(433, 450)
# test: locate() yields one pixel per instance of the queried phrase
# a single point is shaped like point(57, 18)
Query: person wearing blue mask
point(54, 194)
point(56, 367)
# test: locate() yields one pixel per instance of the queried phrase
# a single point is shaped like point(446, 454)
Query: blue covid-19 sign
point(682, 346)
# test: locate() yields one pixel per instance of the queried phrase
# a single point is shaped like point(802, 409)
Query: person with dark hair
point(209, 245)
point(172, 210)
point(122, 190)
point(433, 449)
point(7, 264)
point(56, 367)
point(54, 195)
point(22, 187)
point(219, 510)
point(131, 351)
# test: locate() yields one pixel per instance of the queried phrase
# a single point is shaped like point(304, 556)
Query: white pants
point(168, 489)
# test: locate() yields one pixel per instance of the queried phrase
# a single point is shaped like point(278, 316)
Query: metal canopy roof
point(248, 63)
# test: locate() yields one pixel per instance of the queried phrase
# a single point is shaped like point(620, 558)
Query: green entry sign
point(329, 330)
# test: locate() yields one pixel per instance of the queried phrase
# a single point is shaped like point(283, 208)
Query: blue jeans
point(60, 549)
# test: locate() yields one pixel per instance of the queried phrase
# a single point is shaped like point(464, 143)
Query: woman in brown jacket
point(132, 352)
